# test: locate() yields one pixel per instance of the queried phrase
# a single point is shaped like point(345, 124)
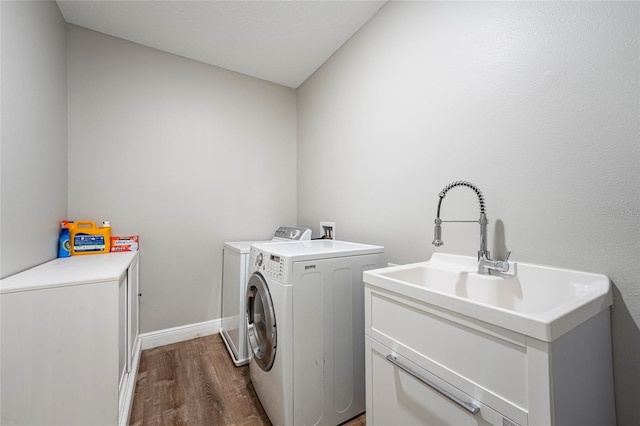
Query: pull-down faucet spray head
point(437, 233)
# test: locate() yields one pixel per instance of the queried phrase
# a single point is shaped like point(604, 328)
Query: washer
point(305, 321)
point(235, 273)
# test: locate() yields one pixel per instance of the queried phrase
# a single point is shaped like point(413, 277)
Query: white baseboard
point(168, 336)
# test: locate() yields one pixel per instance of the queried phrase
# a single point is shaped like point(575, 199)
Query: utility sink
point(537, 301)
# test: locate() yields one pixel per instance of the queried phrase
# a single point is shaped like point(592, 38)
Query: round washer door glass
point(261, 322)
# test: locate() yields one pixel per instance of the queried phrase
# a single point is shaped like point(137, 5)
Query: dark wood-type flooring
point(195, 383)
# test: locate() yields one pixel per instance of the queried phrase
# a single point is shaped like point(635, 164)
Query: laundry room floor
point(195, 383)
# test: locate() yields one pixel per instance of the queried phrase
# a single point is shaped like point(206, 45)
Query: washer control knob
point(259, 260)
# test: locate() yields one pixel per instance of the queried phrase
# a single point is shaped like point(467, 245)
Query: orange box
point(129, 243)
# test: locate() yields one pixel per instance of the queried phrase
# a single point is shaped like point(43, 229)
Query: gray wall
point(186, 155)
point(536, 103)
point(33, 144)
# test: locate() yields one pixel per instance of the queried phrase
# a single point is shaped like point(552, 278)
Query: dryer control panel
point(289, 233)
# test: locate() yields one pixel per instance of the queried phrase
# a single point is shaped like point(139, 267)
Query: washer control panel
point(269, 265)
point(274, 267)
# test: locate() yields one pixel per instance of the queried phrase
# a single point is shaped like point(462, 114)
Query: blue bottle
point(64, 246)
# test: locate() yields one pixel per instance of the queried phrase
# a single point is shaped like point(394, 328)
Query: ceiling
point(279, 41)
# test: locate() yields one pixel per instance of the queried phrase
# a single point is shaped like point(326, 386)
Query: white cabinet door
point(123, 349)
point(133, 302)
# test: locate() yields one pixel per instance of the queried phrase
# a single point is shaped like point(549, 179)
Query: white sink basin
point(537, 301)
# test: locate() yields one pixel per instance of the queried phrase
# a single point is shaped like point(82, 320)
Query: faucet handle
point(508, 255)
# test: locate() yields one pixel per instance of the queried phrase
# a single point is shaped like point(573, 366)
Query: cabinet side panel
point(583, 375)
point(60, 355)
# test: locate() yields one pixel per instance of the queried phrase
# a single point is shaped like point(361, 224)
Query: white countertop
point(67, 271)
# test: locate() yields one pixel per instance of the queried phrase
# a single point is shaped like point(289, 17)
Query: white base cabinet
point(429, 366)
point(69, 333)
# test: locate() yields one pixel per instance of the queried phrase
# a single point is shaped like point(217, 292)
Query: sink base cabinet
point(65, 345)
point(426, 365)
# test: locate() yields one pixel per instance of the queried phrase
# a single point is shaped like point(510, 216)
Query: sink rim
point(547, 325)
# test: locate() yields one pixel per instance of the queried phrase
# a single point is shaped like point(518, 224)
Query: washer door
point(261, 322)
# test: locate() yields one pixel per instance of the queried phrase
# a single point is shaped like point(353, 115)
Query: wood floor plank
point(195, 383)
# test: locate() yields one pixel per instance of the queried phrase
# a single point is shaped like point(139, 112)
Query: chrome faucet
point(485, 263)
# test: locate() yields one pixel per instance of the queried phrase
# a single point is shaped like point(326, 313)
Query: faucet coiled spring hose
point(461, 183)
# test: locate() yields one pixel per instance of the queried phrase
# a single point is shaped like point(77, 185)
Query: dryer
point(235, 273)
point(305, 322)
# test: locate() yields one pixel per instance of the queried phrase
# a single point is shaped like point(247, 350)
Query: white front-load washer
point(235, 273)
point(305, 322)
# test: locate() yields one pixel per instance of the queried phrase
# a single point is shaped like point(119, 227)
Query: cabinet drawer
point(489, 363)
point(419, 397)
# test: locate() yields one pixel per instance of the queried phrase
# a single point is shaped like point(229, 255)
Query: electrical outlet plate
point(328, 229)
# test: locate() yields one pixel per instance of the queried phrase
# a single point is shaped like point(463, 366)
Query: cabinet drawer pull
point(470, 407)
